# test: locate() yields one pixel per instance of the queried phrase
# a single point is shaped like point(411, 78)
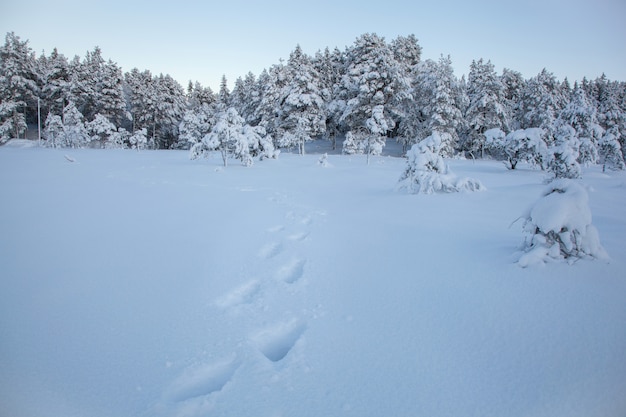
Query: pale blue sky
point(201, 40)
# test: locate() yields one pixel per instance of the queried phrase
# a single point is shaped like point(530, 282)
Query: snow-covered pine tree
point(245, 97)
point(231, 137)
point(372, 79)
point(610, 152)
point(611, 105)
point(436, 104)
point(18, 87)
point(330, 67)
point(487, 108)
point(271, 85)
point(195, 125)
point(166, 106)
point(580, 114)
point(75, 135)
point(303, 115)
point(137, 89)
point(540, 102)
point(96, 86)
point(54, 75)
point(559, 226)
point(139, 139)
point(426, 171)
point(223, 96)
point(513, 83)
point(53, 131)
point(563, 162)
point(197, 95)
point(104, 132)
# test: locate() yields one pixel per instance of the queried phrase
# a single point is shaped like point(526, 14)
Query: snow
point(146, 284)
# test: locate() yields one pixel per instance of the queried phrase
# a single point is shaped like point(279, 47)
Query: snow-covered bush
point(232, 137)
point(363, 142)
point(12, 122)
point(523, 145)
point(426, 171)
point(323, 161)
point(558, 226)
point(53, 131)
point(139, 139)
point(610, 152)
point(105, 133)
point(494, 142)
point(69, 131)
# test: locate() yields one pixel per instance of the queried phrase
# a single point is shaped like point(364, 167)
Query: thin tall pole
point(39, 120)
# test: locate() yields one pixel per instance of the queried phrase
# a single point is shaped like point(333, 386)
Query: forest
point(358, 98)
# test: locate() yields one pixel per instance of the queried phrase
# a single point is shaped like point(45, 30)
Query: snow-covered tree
point(436, 104)
point(540, 102)
point(18, 86)
point(580, 114)
point(231, 137)
point(363, 142)
point(53, 131)
point(372, 79)
point(54, 77)
point(139, 139)
point(426, 172)
point(610, 152)
point(611, 108)
point(12, 121)
point(271, 85)
point(197, 95)
point(246, 98)
point(223, 96)
point(487, 109)
point(522, 145)
point(74, 131)
point(104, 132)
point(167, 106)
point(195, 125)
point(564, 153)
point(513, 83)
point(96, 87)
point(303, 113)
point(330, 67)
point(559, 226)
point(139, 98)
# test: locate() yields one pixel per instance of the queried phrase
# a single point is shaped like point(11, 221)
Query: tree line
point(360, 97)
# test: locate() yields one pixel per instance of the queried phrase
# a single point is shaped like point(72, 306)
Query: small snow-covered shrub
point(525, 145)
point(426, 171)
point(323, 161)
point(558, 226)
point(610, 153)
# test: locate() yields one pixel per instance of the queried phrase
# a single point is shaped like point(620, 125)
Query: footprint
point(275, 342)
point(276, 229)
point(203, 380)
point(298, 237)
point(244, 294)
point(292, 272)
point(270, 250)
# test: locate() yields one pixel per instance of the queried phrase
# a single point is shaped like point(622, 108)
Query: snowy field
point(146, 284)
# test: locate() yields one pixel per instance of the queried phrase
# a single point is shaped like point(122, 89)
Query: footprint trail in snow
point(262, 326)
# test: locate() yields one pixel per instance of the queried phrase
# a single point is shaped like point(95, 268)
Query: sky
point(203, 40)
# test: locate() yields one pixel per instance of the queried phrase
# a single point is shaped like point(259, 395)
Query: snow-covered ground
point(145, 284)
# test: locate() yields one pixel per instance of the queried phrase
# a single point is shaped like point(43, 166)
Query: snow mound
point(21, 143)
point(558, 226)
